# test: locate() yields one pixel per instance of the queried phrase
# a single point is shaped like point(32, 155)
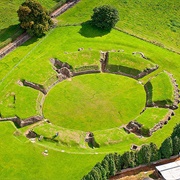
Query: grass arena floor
point(94, 102)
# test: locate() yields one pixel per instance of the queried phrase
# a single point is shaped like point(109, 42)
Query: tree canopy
point(105, 17)
point(34, 18)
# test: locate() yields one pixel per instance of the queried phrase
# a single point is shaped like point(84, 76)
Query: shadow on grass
point(123, 69)
point(31, 41)
point(149, 94)
point(89, 31)
point(12, 32)
point(93, 144)
point(163, 102)
point(149, 89)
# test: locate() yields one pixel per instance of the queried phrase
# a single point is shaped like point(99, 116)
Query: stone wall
point(31, 120)
point(163, 122)
point(104, 58)
point(134, 127)
point(10, 47)
point(21, 123)
point(176, 92)
point(63, 8)
point(147, 71)
point(142, 54)
point(34, 86)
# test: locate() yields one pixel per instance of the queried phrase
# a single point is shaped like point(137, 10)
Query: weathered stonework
point(21, 123)
point(34, 86)
point(104, 60)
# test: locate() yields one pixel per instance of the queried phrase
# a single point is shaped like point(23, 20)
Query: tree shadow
point(12, 32)
point(90, 31)
point(31, 41)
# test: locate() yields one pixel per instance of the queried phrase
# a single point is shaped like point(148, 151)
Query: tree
point(105, 17)
point(94, 173)
point(128, 160)
point(176, 131)
point(144, 154)
point(166, 148)
point(155, 155)
point(34, 18)
point(102, 170)
point(105, 165)
point(176, 145)
point(112, 167)
point(117, 160)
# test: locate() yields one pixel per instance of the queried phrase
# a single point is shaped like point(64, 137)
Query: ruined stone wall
point(104, 58)
point(21, 123)
point(31, 120)
point(63, 8)
point(163, 122)
point(147, 71)
point(10, 47)
point(34, 86)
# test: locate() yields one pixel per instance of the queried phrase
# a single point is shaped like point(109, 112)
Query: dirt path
point(24, 37)
point(132, 173)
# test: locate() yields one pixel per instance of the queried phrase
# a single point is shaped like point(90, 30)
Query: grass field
point(152, 116)
point(31, 62)
point(128, 63)
point(70, 157)
point(152, 20)
point(162, 90)
point(94, 102)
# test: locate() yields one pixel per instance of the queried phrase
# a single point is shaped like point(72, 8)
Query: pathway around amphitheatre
point(24, 37)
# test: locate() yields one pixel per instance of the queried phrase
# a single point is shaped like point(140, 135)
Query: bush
point(105, 17)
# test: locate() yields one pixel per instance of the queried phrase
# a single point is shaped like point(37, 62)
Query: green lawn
point(94, 102)
point(152, 20)
point(128, 63)
point(31, 61)
point(21, 159)
point(161, 89)
point(152, 116)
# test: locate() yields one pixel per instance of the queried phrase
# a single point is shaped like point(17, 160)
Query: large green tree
point(105, 17)
point(166, 148)
point(128, 159)
point(176, 145)
point(144, 154)
point(34, 18)
point(155, 154)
